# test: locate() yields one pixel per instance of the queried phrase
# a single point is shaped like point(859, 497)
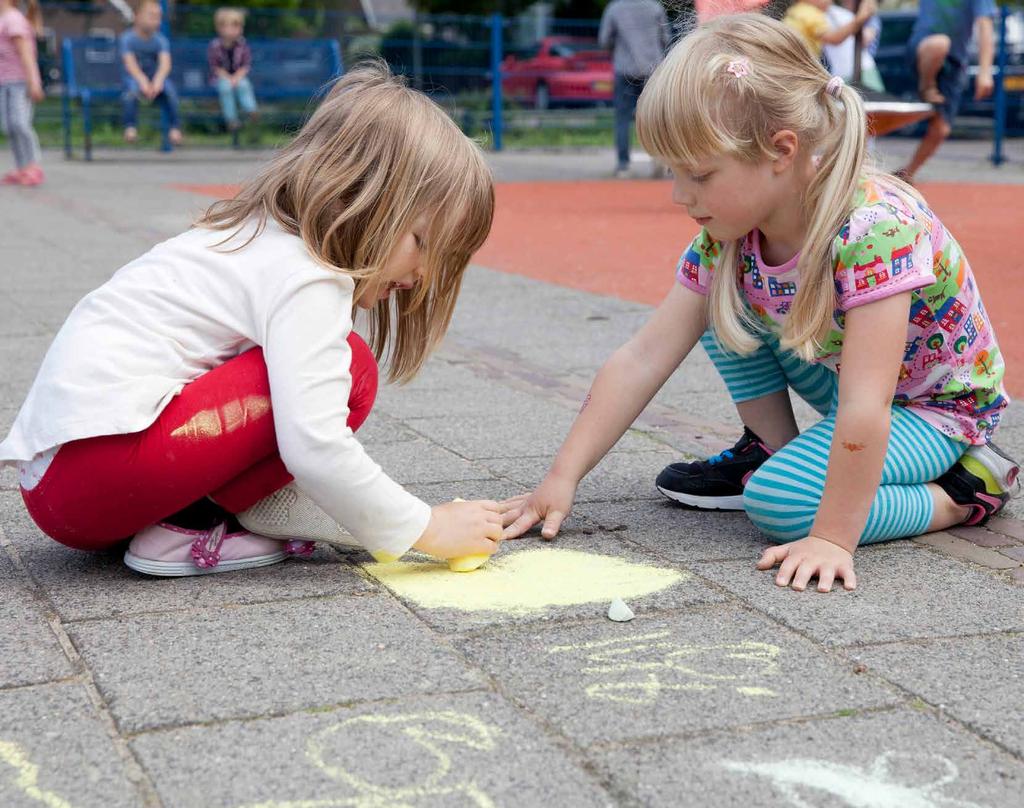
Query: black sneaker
point(716, 483)
point(983, 479)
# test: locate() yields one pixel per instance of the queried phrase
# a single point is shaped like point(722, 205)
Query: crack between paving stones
point(134, 771)
point(325, 709)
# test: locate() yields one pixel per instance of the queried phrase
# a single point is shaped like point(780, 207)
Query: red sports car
point(559, 70)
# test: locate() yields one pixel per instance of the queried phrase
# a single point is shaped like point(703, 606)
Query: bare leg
point(931, 53)
point(771, 418)
point(947, 513)
point(938, 130)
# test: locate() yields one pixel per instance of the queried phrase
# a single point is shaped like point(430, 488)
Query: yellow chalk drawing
point(524, 581)
point(28, 775)
point(637, 670)
point(427, 730)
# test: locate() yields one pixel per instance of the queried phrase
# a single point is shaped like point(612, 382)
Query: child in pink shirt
point(20, 86)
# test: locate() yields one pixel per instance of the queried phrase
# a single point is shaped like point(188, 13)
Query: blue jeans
point(627, 91)
point(231, 98)
point(167, 101)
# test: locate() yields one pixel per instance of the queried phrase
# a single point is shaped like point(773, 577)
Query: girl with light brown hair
point(205, 398)
point(21, 86)
point(809, 261)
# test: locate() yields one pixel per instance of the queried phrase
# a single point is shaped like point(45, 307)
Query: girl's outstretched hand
point(551, 502)
point(802, 560)
point(462, 528)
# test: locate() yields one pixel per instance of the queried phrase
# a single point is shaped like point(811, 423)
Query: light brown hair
point(694, 108)
point(375, 157)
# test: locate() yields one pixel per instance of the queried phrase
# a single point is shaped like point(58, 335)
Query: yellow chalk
point(467, 563)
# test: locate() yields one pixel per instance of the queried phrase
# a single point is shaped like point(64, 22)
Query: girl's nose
point(681, 196)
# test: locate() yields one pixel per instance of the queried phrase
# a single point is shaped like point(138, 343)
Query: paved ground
point(313, 684)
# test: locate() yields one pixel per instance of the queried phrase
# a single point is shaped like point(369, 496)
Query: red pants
point(216, 438)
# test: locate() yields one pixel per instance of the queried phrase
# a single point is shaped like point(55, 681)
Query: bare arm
point(983, 82)
point(834, 36)
point(131, 64)
point(872, 352)
point(163, 69)
point(28, 62)
point(623, 387)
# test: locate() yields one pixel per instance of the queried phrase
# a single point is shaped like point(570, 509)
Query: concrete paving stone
point(876, 760)
point(510, 435)
point(981, 536)
point(464, 750)
point(420, 461)
point(436, 493)
point(978, 680)
point(55, 751)
point(85, 586)
point(603, 682)
point(29, 651)
point(678, 533)
point(966, 549)
point(380, 429)
point(903, 592)
point(157, 670)
point(620, 476)
point(483, 398)
point(1016, 553)
point(521, 589)
point(1014, 528)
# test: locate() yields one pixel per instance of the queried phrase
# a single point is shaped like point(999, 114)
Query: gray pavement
point(331, 681)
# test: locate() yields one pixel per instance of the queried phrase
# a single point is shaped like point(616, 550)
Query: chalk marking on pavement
point(638, 670)
point(426, 730)
point(871, 787)
point(28, 775)
point(525, 581)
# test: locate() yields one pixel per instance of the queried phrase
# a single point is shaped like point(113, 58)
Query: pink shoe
point(31, 175)
point(12, 177)
point(167, 550)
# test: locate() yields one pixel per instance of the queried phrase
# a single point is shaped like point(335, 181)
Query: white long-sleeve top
point(185, 307)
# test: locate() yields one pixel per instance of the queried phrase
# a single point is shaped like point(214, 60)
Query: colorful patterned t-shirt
point(952, 370)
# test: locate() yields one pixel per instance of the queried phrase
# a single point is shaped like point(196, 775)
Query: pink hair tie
point(835, 86)
point(739, 67)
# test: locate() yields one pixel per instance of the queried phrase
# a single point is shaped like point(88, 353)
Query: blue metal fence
point(468, 63)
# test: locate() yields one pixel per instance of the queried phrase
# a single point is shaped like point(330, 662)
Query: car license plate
point(606, 86)
point(1013, 84)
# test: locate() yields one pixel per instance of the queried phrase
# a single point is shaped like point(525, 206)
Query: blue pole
point(497, 26)
point(165, 20)
point(999, 121)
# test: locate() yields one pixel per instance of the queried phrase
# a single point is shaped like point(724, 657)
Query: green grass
point(524, 129)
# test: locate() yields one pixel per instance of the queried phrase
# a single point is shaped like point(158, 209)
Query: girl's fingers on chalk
point(510, 516)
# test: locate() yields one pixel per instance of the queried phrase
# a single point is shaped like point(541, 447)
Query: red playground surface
point(623, 239)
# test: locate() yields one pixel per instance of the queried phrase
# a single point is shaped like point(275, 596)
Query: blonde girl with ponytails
point(813, 272)
point(205, 399)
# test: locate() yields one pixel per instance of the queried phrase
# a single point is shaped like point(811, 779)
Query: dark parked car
point(892, 64)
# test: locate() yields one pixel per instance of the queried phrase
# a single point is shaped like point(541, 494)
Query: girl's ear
point(786, 145)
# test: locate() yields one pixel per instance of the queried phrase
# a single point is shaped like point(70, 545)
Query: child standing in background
point(812, 271)
point(230, 60)
point(205, 398)
point(20, 86)
point(808, 18)
point(146, 56)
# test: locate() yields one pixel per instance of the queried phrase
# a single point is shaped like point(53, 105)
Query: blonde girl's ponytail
point(829, 200)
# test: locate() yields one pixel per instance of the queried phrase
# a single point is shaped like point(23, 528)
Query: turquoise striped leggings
point(782, 497)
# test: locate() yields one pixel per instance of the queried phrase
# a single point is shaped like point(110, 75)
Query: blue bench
point(282, 69)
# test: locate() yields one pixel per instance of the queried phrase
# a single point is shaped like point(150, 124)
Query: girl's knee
point(779, 520)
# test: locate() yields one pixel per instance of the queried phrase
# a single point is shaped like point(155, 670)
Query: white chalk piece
point(620, 612)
